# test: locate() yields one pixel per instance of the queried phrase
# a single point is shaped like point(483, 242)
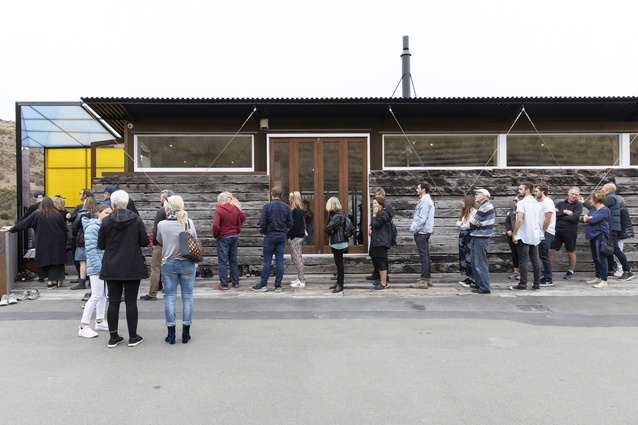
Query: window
point(194, 152)
point(439, 151)
point(570, 150)
point(633, 149)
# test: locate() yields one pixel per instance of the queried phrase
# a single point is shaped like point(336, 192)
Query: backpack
point(626, 228)
point(348, 228)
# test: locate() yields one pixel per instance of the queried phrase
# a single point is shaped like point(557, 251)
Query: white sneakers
point(297, 284)
point(8, 299)
point(601, 284)
point(101, 326)
point(87, 332)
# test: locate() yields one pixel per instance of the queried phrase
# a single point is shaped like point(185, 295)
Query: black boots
point(186, 333)
point(170, 338)
point(80, 285)
point(338, 288)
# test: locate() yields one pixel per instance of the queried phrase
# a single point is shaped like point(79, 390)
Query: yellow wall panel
point(66, 182)
point(62, 158)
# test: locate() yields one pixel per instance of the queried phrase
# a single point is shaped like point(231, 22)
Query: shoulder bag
point(189, 247)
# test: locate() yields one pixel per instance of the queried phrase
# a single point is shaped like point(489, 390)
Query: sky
point(66, 50)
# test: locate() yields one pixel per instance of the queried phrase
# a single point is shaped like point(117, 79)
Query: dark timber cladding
point(373, 117)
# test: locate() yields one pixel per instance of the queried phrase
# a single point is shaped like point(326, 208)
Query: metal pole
point(405, 66)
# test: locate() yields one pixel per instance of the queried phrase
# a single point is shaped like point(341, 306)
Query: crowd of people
point(107, 238)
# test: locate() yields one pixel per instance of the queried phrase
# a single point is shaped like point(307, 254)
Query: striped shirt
point(486, 214)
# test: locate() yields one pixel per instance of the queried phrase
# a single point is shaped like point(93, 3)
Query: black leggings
point(338, 256)
point(131, 288)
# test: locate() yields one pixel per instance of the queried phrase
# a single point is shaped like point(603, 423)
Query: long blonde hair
point(295, 200)
point(230, 198)
point(175, 204)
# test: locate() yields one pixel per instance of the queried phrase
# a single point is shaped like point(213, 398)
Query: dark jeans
point(543, 253)
point(131, 288)
point(423, 246)
point(514, 250)
point(526, 252)
point(599, 259)
point(227, 253)
point(480, 267)
point(273, 245)
point(338, 256)
point(611, 265)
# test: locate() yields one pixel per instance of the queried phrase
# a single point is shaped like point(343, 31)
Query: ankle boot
point(337, 289)
point(186, 333)
point(170, 338)
point(80, 285)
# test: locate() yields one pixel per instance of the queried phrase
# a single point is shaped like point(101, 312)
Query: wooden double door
point(320, 168)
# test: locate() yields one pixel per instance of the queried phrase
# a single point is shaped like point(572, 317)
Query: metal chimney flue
point(405, 65)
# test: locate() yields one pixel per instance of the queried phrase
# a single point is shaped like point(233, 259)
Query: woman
point(97, 301)
point(465, 240)
point(236, 203)
point(89, 207)
point(510, 221)
point(338, 240)
point(295, 237)
point(308, 222)
point(234, 269)
point(121, 236)
point(380, 240)
point(597, 220)
point(175, 268)
point(50, 246)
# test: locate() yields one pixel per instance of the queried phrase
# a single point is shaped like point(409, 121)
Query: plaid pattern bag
point(190, 247)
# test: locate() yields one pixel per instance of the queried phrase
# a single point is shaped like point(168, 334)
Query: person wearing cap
point(108, 191)
point(38, 195)
point(481, 230)
point(527, 236)
point(422, 227)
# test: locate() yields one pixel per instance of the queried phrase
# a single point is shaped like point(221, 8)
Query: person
point(481, 230)
point(89, 208)
point(274, 221)
point(308, 222)
point(335, 229)
point(380, 240)
point(422, 228)
point(626, 232)
point(74, 214)
point(226, 227)
point(598, 227)
point(548, 223)
point(109, 190)
point(510, 221)
point(613, 203)
point(568, 212)
point(379, 191)
point(468, 209)
point(121, 236)
point(51, 234)
point(296, 235)
point(38, 196)
point(175, 268)
point(527, 235)
point(156, 254)
point(97, 300)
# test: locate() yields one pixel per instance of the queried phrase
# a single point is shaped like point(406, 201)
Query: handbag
point(606, 247)
point(190, 247)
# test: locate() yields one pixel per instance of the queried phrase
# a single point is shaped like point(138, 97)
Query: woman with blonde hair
point(295, 238)
point(337, 238)
point(175, 268)
point(468, 209)
point(235, 202)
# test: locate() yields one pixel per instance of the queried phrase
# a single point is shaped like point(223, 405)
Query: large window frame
point(500, 156)
point(193, 137)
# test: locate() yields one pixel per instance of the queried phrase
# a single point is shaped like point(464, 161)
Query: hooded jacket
point(226, 221)
point(93, 253)
point(121, 236)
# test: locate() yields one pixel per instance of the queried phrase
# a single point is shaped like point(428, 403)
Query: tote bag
point(189, 247)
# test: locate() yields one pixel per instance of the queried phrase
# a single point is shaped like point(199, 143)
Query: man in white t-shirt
point(547, 220)
point(527, 236)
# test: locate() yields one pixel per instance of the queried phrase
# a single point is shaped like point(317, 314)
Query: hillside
point(8, 172)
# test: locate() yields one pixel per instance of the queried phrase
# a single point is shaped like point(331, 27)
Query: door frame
point(366, 188)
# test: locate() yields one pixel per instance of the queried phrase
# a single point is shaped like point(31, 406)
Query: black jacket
point(298, 229)
point(568, 222)
point(381, 229)
point(335, 227)
point(51, 235)
point(121, 235)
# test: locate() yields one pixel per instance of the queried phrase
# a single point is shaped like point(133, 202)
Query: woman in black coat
point(338, 240)
point(50, 246)
point(121, 236)
point(380, 240)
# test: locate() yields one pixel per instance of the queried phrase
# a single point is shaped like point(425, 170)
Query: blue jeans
point(543, 253)
point(273, 245)
point(182, 272)
point(480, 268)
point(600, 260)
point(227, 253)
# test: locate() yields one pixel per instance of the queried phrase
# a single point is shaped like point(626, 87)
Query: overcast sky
point(65, 50)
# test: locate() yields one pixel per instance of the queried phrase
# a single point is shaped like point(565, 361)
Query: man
point(422, 227)
point(548, 222)
point(568, 213)
point(274, 222)
point(156, 256)
point(388, 207)
point(527, 235)
point(613, 203)
point(482, 228)
point(226, 227)
point(108, 190)
point(38, 195)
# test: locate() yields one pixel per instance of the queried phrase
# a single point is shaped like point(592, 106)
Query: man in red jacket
point(226, 227)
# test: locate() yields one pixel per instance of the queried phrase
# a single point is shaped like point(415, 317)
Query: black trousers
point(130, 288)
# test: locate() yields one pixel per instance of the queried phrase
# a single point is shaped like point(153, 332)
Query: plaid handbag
point(189, 247)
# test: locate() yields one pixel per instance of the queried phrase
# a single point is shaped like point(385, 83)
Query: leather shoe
point(148, 298)
point(338, 288)
point(480, 291)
